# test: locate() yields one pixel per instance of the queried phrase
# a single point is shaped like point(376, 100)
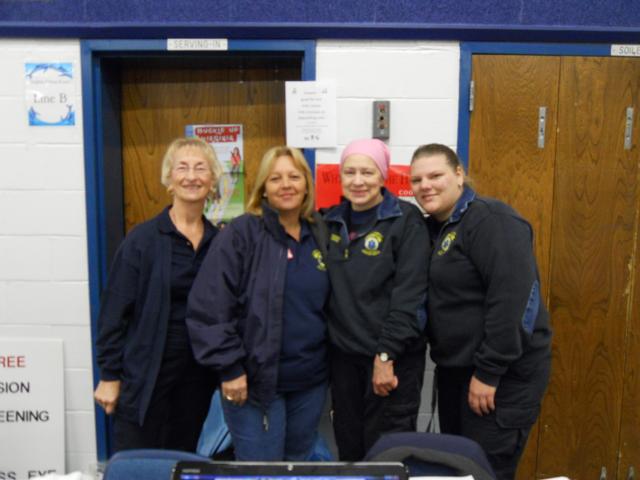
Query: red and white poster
point(227, 141)
point(328, 189)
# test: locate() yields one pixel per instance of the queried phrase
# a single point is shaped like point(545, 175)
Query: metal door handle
point(628, 129)
point(542, 121)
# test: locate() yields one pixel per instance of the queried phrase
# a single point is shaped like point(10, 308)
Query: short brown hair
point(453, 160)
point(254, 205)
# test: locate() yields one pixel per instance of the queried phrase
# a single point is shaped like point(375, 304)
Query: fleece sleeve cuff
point(234, 371)
point(486, 377)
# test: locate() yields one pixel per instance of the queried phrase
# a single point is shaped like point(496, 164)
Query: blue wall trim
point(428, 31)
point(468, 49)
point(95, 221)
point(92, 51)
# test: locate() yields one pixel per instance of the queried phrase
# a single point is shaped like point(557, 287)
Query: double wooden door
point(554, 137)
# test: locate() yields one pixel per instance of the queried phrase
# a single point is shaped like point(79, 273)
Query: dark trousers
point(502, 433)
point(359, 415)
point(177, 410)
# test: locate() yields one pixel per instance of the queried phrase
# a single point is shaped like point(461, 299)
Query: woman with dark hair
point(149, 379)
point(377, 263)
point(488, 328)
point(256, 314)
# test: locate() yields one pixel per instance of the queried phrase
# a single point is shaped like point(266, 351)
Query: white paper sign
point(31, 408)
point(311, 114)
point(50, 94)
point(625, 50)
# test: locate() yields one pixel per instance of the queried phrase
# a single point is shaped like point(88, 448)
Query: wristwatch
point(384, 357)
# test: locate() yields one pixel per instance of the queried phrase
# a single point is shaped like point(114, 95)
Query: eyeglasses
point(198, 170)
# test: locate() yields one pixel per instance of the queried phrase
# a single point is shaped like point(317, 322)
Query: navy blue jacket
point(235, 306)
point(485, 307)
point(378, 280)
point(134, 314)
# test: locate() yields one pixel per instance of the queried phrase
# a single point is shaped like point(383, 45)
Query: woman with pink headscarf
point(377, 263)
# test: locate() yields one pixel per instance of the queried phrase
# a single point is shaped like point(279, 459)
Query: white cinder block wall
point(420, 79)
point(43, 253)
point(44, 289)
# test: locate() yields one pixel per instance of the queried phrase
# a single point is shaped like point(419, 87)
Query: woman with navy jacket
point(256, 314)
point(377, 263)
point(149, 379)
point(488, 327)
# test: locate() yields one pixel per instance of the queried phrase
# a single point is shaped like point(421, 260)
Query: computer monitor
point(289, 471)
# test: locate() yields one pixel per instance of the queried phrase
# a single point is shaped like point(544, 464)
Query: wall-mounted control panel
point(381, 119)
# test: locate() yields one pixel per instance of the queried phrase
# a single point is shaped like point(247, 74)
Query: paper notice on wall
point(31, 408)
point(227, 141)
point(329, 190)
point(50, 94)
point(311, 114)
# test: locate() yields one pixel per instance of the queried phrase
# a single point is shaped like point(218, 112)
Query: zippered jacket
point(134, 314)
point(378, 280)
point(485, 307)
point(235, 306)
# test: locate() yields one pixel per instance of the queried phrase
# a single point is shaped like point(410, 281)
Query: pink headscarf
point(372, 148)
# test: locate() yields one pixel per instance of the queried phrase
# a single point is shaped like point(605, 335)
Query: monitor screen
point(289, 471)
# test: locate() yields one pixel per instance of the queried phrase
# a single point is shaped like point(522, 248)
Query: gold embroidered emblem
point(372, 244)
point(317, 254)
point(446, 243)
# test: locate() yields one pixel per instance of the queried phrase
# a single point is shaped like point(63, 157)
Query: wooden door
point(161, 96)
point(592, 260)
point(580, 195)
point(505, 161)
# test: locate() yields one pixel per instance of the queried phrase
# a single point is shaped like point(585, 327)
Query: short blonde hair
point(207, 152)
point(254, 206)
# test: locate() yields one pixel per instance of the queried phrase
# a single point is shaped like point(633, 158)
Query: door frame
point(468, 49)
point(103, 153)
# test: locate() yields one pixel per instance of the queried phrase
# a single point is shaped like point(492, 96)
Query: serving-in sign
point(197, 44)
point(31, 408)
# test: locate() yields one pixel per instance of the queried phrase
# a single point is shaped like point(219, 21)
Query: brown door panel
point(591, 255)
point(505, 161)
point(158, 100)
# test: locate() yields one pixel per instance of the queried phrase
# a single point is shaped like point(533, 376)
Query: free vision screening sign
point(31, 408)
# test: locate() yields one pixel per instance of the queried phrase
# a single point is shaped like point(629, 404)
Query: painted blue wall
point(503, 20)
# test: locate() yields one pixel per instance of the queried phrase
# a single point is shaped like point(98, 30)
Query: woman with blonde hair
point(256, 314)
point(149, 379)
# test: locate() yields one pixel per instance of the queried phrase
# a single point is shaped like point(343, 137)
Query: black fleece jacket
point(379, 280)
point(485, 308)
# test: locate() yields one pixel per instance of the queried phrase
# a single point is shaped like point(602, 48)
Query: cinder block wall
point(44, 291)
point(420, 79)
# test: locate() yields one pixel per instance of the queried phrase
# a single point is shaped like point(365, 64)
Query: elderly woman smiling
point(377, 263)
point(149, 379)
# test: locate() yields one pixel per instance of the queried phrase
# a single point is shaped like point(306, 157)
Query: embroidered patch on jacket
point(372, 244)
point(317, 254)
point(335, 237)
point(446, 243)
